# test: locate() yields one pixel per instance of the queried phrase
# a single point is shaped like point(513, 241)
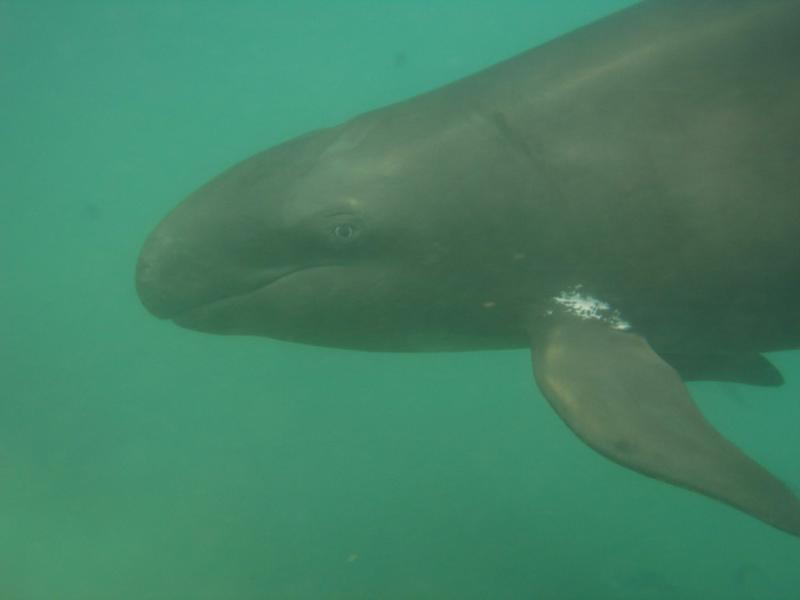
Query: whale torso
point(623, 200)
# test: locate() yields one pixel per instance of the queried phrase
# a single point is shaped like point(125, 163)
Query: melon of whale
point(623, 200)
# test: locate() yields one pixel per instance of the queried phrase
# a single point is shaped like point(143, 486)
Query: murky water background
point(141, 461)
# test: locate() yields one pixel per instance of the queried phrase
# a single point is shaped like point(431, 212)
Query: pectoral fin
point(623, 400)
point(752, 369)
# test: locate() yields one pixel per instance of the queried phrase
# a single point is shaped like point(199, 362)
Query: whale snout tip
point(158, 281)
point(151, 291)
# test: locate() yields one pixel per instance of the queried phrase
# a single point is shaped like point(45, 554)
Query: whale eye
point(344, 231)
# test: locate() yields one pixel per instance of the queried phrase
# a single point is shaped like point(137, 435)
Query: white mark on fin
point(588, 307)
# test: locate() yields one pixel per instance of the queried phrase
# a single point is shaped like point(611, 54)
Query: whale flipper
point(751, 369)
point(624, 401)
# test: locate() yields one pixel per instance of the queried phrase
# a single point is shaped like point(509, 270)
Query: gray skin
point(650, 161)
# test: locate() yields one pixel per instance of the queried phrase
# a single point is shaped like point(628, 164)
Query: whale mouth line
point(208, 306)
point(191, 316)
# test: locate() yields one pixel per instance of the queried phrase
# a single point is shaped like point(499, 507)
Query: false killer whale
point(623, 200)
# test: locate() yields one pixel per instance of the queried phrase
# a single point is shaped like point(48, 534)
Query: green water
point(141, 461)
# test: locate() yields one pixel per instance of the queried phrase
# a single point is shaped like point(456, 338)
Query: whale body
point(622, 200)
